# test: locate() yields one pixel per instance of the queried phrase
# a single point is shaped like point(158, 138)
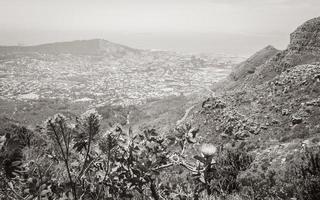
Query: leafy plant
point(75, 159)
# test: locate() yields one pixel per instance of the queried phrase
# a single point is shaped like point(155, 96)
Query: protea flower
point(208, 149)
point(174, 158)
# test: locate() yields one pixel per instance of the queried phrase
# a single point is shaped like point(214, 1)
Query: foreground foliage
point(74, 159)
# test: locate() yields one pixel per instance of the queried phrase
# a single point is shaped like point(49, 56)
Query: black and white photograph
point(159, 99)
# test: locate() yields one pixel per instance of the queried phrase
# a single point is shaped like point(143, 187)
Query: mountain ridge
point(306, 37)
point(77, 47)
point(304, 48)
point(249, 66)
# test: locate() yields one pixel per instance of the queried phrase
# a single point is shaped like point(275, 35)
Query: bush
point(299, 178)
point(75, 160)
point(224, 173)
point(68, 159)
point(304, 174)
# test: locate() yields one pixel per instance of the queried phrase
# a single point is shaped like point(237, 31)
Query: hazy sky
point(212, 26)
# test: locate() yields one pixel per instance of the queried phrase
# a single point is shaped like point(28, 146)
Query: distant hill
point(249, 66)
point(78, 47)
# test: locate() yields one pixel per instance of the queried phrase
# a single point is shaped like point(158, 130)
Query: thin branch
point(191, 168)
point(65, 160)
point(163, 166)
point(13, 190)
point(153, 189)
point(106, 170)
point(88, 150)
point(65, 140)
point(86, 169)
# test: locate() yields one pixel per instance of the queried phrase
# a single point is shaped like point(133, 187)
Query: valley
point(74, 76)
point(101, 80)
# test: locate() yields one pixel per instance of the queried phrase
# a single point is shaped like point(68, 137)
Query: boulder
point(296, 120)
point(213, 103)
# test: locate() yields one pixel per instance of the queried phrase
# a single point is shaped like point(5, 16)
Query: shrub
point(299, 178)
point(304, 174)
point(223, 175)
point(75, 160)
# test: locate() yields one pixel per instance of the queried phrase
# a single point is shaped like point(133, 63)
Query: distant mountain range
point(78, 47)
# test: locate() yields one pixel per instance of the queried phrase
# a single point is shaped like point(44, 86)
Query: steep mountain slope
point(302, 49)
point(283, 109)
point(273, 113)
point(79, 47)
point(306, 37)
point(249, 66)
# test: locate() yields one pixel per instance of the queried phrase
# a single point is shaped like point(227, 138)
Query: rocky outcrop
point(306, 37)
point(213, 103)
point(304, 48)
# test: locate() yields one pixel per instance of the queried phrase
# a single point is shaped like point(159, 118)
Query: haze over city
point(191, 26)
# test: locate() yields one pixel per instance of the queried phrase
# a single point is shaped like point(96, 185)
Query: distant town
point(106, 79)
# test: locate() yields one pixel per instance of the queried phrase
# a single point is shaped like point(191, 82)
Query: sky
point(239, 27)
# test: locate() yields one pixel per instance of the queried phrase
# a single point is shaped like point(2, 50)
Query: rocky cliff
point(306, 37)
point(304, 48)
